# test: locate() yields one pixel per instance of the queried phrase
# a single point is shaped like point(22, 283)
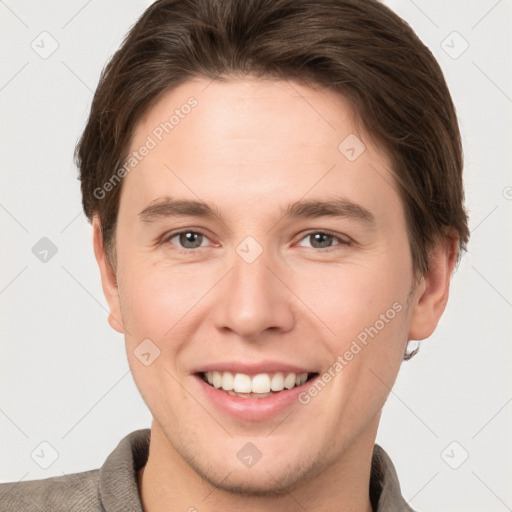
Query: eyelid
point(168, 236)
point(342, 239)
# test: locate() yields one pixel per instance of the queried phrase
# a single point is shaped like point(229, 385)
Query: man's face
point(255, 290)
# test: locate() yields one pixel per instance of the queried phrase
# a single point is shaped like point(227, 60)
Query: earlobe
point(431, 295)
point(108, 278)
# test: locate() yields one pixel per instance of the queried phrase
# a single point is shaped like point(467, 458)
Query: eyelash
point(342, 241)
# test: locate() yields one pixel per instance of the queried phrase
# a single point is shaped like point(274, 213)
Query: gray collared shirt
point(113, 487)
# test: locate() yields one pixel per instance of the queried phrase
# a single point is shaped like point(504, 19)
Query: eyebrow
point(337, 207)
point(170, 207)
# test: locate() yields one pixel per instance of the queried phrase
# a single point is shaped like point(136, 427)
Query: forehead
point(253, 141)
point(248, 111)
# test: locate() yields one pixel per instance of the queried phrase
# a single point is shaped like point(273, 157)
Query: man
point(275, 190)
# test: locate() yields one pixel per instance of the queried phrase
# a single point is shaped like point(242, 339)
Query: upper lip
point(252, 368)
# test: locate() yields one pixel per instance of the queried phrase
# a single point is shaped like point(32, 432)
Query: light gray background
point(64, 377)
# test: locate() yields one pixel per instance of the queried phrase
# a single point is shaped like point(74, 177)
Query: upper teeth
point(260, 383)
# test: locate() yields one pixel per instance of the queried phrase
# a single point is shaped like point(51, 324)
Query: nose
point(254, 299)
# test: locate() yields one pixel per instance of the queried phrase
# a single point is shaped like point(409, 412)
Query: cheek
point(353, 297)
point(155, 297)
point(365, 309)
point(366, 356)
point(157, 306)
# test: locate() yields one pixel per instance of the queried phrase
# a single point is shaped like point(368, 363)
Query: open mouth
point(261, 385)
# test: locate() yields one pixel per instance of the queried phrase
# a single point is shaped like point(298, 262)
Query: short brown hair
point(358, 48)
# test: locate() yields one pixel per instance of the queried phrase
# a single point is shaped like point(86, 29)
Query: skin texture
point(252, 147)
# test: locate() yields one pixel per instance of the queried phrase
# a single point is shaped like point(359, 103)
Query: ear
point(108, 278)
point(432, 292)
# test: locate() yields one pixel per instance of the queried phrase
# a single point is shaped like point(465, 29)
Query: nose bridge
point(253, 298)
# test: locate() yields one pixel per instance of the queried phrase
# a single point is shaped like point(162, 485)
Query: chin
point(250, 482)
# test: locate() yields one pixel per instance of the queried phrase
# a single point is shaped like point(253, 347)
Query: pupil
point(189, 240)
point(322, 238)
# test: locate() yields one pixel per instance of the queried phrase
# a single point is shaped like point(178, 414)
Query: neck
point(340, 486)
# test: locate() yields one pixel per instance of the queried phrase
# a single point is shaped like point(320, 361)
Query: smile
point(259, 385)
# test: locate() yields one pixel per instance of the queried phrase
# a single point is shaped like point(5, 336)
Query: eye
point(187, 239)
point(324, 239)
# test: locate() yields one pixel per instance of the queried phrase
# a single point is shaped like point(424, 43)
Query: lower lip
point(253, 409)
